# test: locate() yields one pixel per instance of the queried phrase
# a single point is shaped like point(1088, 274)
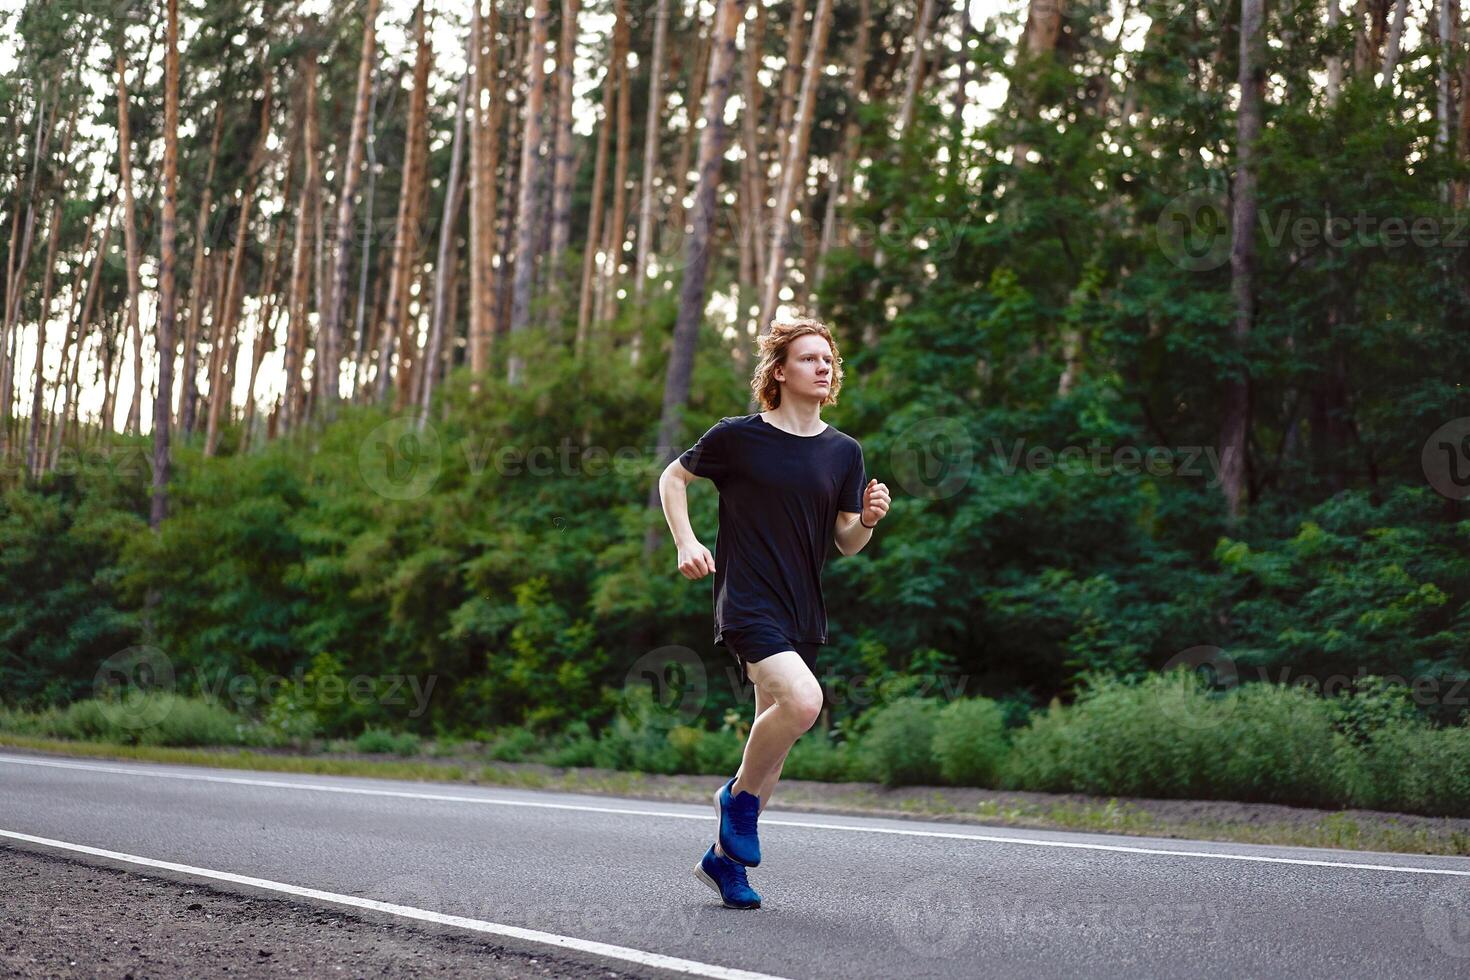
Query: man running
point(784, 477)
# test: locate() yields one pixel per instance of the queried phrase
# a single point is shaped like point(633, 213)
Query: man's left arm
point(854, 530)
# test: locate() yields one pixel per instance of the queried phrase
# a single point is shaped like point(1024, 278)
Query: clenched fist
point(875, 502)
point(695, 561)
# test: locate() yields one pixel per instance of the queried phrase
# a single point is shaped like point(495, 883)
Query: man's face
point(807, 371)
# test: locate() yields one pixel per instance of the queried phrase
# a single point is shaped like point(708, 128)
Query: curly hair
point(772, 349)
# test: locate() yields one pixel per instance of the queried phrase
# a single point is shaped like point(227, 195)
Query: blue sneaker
point(737, 817)
point(728, 878)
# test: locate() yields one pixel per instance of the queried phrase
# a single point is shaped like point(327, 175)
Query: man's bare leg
point(788, 701)
point(763, 704)
point(793, 702)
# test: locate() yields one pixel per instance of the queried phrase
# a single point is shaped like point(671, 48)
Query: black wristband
point(868, 526)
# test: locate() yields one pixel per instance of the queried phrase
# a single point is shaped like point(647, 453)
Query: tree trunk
point(399, 329)
point(265, 340)
point(39, 387)
point(696, 257)
point(297, 327)
point(1462, 134)
point(794, 164)
point(1370, 17)
point(1444, 104)
point(506, 216)
point(1334, 61)
point(72, 336)
point(651, 130)
point(369, 232)
point(528, 220)
point(1235, 422)
point(752, 178)
point(1395, 39)
point(198, 284)
point(130, 235)
point(966, 30)
point(15, 280)
point(621, 44)
point(595, 220)
point(167, 278)
point(916, 67)
point(1043, 27)
point(48, 279)
point(484, 148)
point(218, 266)
point(679, 179)
point(329, 334)
point(847, 152)
point(68, 405)
point(222, 379)
point(445, 260)
point(566, 160)
point(10, 251)
point(790, 75)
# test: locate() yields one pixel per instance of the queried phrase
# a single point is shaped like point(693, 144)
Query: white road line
point(765, 820)
point(624, 953)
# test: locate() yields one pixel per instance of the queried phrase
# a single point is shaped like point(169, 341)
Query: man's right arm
point(695, 561)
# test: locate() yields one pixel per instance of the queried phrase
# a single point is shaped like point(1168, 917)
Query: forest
point(345, 341)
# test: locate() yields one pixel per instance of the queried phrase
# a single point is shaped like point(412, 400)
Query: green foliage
point(511, 744)
point(61, 614)
point(645, 737)
point(381, 741)
point(818, 756)
point(1417, 769)
point(139, 718)
point(970, 742)
point(896, 743)
point(1167, 737)
point(1359, 589)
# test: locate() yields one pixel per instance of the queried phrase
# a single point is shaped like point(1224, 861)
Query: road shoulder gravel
point(67, 918)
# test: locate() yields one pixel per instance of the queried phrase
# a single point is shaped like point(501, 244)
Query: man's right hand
point(695, 561)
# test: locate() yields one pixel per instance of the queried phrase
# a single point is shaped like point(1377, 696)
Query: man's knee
point(796, 692)
point(804, 705)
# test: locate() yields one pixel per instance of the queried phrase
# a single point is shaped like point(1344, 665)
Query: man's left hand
point(875, 502)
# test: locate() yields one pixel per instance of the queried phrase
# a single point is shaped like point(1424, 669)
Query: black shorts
point(750, 644)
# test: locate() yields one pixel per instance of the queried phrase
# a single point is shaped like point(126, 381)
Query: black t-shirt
point(780, 494)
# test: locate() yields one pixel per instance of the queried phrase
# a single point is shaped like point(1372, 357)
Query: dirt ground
point(64, 918)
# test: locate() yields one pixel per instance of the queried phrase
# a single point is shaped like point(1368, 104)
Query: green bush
point(896, 744)
point(817, 756)
point(1411, 767)
point(511, 744)
point(970, 741)
point(139, 718)
point(382, 740)
point(576, 747)
point(1167, 736)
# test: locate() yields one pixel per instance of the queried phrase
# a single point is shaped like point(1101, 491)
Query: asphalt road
point(842, 896)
